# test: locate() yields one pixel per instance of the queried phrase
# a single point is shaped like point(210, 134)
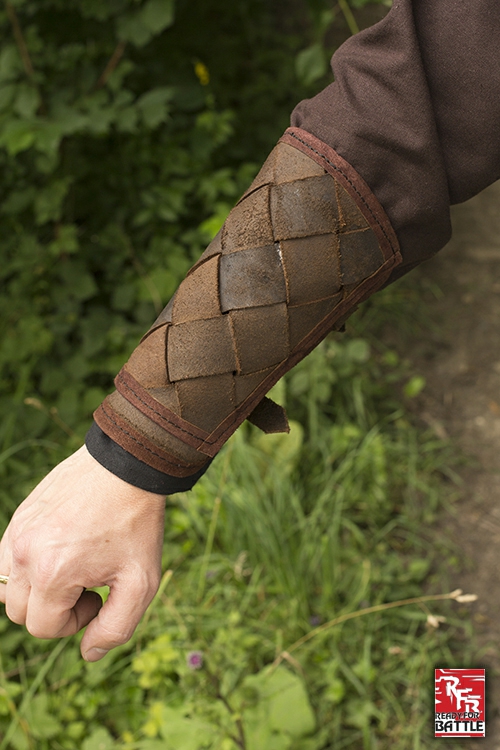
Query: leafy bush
point(127, 131)
point(285, 537)
point(111, 131)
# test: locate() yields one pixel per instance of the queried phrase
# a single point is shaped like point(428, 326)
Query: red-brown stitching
point(122, 384)
point(159, 455)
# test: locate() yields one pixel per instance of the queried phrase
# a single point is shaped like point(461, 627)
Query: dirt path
point(461, 362)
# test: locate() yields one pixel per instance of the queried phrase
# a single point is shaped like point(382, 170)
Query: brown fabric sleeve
point(415, 109)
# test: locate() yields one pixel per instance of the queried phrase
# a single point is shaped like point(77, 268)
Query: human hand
point(83, 527)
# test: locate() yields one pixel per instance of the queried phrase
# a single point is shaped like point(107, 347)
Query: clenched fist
point(83, 527)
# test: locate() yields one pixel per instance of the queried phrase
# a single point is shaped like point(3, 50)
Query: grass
point(286, 570)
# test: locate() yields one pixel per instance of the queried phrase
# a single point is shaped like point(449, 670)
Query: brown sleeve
point(415, 108)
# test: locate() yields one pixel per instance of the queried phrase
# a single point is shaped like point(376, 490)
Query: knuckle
point(143, 584)
point(21, 550)
point(47, 570)
point(118, 636)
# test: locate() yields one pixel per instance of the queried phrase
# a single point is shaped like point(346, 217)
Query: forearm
point(377, 157)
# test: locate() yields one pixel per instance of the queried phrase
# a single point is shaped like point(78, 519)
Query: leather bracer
point(306, 243)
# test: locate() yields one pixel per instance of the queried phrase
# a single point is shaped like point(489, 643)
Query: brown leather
point(306, 243)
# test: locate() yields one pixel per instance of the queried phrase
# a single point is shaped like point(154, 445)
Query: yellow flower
point(202, 73)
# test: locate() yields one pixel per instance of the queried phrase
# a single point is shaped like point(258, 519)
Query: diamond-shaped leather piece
point(303, 318)
point(244, 385)
point(206, 400)
point(350, 216)
point(304, 208)
point(320, 276)
point(200, 348)
point(251, 278)
point(148, 364)
point(261, 336)
point(198, 296)
point(360, 256)
point(249, 224)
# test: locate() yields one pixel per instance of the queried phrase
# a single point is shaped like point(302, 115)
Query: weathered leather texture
point(306, 243)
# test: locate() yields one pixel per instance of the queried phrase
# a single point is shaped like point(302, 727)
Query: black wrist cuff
point(114, 458)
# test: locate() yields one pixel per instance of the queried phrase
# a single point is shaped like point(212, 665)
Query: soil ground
point(460, 359)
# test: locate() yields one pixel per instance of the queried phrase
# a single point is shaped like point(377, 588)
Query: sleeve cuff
point(127, 467)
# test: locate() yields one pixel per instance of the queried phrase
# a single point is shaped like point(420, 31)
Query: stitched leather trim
point(133, 441)
point(138, 396)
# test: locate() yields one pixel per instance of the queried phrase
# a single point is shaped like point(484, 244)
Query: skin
point(83, 527)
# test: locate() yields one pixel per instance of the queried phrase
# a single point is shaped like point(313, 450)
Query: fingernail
point(94, 654)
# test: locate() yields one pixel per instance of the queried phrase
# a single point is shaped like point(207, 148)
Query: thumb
point(117, 620)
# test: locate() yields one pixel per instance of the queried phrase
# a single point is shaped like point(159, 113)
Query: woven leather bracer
point(306, 243)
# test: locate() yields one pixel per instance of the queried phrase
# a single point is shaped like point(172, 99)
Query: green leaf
point(335, 691)
point(10, 62)
point(140, 27)
point(18, 201)
point(290, 711)
point(69, 120)
point(19, 741)
point(49, 200)
point(131, 29)
point(154, 105)
point(358, 350)
point(184, 733)
point(66, 241)
point(157, 15)
point(311, 64)
point(42, 724)
point(360, 712)
point(283, 709)
point(212, 225)
point(27, 101)
point(160, 283)
point(100, 739)
point(96, 9)
point(48, 138)
point(414, 386)
point(126, 120)
point(79, 283)
point(17, 136)
point(7, 94)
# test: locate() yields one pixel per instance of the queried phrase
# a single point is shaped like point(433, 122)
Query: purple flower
point(194, 659)
point(315, 620)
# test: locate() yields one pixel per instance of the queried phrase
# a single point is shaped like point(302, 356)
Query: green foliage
point(332, 519)
point(414, 386)
point(112, 179)
point(311, 63)
point(125, 137)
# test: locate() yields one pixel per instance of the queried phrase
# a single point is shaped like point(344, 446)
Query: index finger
point(48, 617)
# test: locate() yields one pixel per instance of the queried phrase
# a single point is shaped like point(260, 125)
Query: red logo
point(459, 697)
